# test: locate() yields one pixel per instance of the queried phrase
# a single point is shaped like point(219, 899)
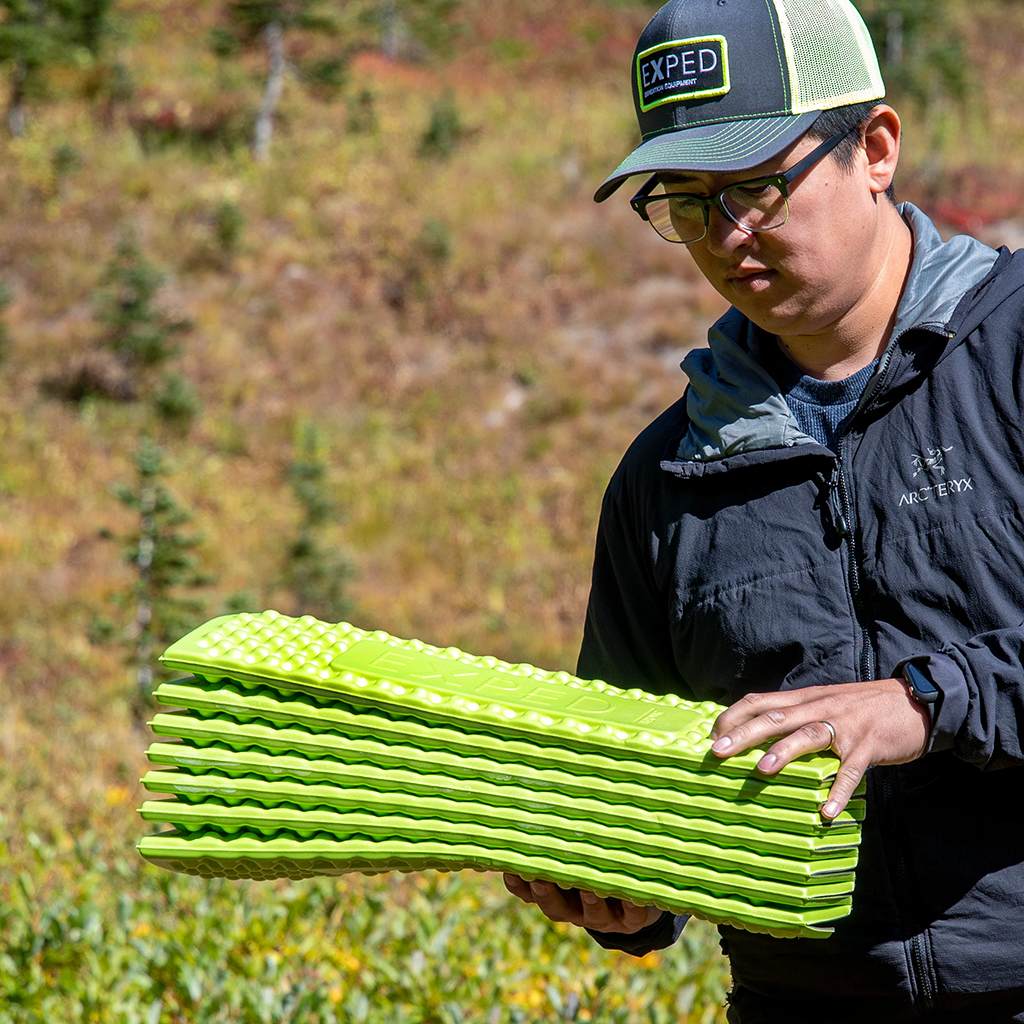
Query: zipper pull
point(835, 505)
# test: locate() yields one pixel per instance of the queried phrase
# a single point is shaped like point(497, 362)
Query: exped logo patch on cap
point(683, 69)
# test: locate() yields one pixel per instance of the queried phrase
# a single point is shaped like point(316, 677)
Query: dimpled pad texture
point(214, 856)
point(448, 685)
point(246, 716)
point(236, 748)
point(311, 748)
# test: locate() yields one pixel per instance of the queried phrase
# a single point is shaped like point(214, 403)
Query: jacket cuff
point(658, 935)
point(954, 703)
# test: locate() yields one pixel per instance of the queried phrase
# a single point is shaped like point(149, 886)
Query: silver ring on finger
point(832, 732)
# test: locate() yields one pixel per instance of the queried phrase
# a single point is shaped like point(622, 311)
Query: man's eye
point(756, 189)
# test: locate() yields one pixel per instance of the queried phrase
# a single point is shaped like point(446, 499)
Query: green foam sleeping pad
point(215, 856)
point(691, 840)
point(308, 748)
point(696, 865)
point(229, 713)
point(323, 757)
point(449, 687)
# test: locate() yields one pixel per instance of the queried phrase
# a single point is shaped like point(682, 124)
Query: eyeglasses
point(760, 204)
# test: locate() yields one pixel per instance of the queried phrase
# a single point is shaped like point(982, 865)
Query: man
point(826, 533)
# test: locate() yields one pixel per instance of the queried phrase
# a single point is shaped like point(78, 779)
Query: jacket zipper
point(843, 506)
point(842, 503)
point(926, 995)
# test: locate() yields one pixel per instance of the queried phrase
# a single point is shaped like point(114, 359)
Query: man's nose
point(724, 235)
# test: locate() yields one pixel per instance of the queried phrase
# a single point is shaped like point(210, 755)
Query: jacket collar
point(735, 407)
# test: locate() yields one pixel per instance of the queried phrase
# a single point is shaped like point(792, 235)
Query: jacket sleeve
point(662, 933)
point(626, 643)
point(982, 710)
point(626, 640)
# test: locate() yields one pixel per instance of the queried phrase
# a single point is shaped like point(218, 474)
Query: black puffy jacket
point(736, 554)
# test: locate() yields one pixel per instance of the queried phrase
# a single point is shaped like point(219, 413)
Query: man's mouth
point(741, 273)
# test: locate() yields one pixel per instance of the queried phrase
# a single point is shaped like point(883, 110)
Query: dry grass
point(473, 403)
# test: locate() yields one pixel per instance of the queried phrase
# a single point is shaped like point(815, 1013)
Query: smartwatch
point(922, 689)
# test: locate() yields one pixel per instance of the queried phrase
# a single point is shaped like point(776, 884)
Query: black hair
point(846, 119)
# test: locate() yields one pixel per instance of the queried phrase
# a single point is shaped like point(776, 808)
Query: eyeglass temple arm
point(819, 153)
point(645, 191)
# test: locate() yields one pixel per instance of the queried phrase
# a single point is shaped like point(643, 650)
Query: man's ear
point(882, 147)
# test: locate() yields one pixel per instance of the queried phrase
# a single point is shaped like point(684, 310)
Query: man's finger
point(810, 738)
point(556, 903)
point(771, 723)
point(600, 914)
point(847, 780)
point(634, 918)
point(615, 915)
point(518, 887)
point(746, 708)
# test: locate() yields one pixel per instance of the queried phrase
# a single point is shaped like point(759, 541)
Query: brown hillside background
point(471, 404)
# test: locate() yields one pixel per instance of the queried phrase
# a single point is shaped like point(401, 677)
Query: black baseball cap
point(724, 85)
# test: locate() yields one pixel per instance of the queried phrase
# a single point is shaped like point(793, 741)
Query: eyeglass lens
point(756, 206)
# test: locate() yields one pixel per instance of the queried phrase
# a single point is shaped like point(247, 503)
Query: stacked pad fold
point(306, 748)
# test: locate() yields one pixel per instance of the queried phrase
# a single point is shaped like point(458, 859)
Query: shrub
point(177, 403)
point(316, 573)
point(138, 333)
point(445, 131)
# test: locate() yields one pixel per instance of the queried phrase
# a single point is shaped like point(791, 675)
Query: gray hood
point(734, 405)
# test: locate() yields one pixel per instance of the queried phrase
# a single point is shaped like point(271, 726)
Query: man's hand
point(583, 908)
point(875, 723)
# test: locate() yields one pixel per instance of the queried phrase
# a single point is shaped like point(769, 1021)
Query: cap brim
point(731, 146)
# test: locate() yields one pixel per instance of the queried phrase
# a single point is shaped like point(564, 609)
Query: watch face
point(921, 687)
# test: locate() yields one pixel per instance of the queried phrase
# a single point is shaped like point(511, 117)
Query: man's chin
point(771, 311)
point(754, 284)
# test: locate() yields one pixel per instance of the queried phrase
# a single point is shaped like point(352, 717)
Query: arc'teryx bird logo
point(933, 461)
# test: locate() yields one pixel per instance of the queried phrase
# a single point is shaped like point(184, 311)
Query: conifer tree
point(316, 574)
point(270, 21)
point(137, 331)
point(39, 34)
point(394, 26)
point(165, 563)
point(142, 336)
point(406, 25)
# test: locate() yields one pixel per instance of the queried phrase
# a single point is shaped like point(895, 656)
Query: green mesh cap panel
point(831, 58)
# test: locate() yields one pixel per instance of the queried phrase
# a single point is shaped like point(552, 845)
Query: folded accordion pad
point(307, 748)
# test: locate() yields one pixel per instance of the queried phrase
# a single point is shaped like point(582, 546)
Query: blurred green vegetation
point(120, 942)
point(418, 270)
